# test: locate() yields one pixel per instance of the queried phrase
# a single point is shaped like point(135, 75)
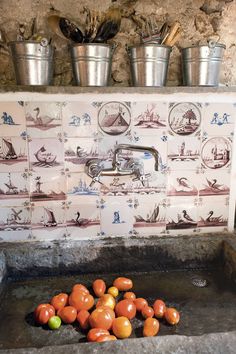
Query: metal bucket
point(201, 64)
point(149, 64)
point(91, 63)
point(33, 62)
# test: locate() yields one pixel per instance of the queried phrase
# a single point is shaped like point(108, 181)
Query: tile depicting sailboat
point(13, 154)
point(14, 186)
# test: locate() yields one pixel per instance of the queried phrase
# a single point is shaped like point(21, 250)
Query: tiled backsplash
point(44, 145)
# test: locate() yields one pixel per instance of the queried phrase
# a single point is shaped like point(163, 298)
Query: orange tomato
point(106, 338)
point(113, 291)
point(95, 333)
point(106, 300)
point(140, 303)
point(102, 317)
point(147, 311)
point(125, 308)
point(80, 287)
point(172, 316)
point(129, 295)
point(67, 314)
point(59, 301)
point(81, 301)
point(49, 307)
point(121, 327)
point(83, 319)
point(99, 287)
point(43, 316)
point(159, 308)
point(151, 327)
point(123, 284)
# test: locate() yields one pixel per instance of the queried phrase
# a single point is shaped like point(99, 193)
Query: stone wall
point(200, 19)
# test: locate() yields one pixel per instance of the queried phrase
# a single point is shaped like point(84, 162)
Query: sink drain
point(199, 283)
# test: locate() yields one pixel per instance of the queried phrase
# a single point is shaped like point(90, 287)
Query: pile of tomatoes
point(105, 315)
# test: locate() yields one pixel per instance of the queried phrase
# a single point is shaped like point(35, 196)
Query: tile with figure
point(47, 186)
point(181, 214)
point(12, 119)
point(14, 188)
point(182, 183)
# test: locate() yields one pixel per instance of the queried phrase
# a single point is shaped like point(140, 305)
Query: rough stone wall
point(200, 20)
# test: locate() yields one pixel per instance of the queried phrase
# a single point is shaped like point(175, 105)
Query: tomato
point(113, 291)
point(59, 301)
point(159, 308)
point(129, 295)
point(54, 322)
point(95, 333)
point(125, 308)
point(81, 301)
point(123, 284)
point(147, 311)
point(121, 327)
point(49, 307)
point(99, 287)
point(151, 327)
point(43, 316)
point(172, 316)
point(80, 287)
point(106, 338)
point(102, 317)
point(106, 300)
point(67, 314)
point(140, 303)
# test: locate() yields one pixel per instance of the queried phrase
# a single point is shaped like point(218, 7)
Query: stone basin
point(161, 267)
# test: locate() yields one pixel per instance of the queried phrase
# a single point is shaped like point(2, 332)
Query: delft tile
point(219, 119)
point(15, 218)
point(154, 182)
point(182, 183)
point(114, 118)
point(149, 215)
point(185, 118)
point(213, 212)
point(147, 158)
point(79, 119)
point(149, 118)
point(12, 122)
point(116, 186)
point(13, 236)
point(212, 183)
point(78, 151)
point(13, 154)
point(184, 153)
point(47, 186)
point(78, 184)
point(83, 218)
point(43, 119)
point(107, 145)
point(45, 154)
point(116, 216)
point(216, 152)
point(181, 213)
point(14, 188)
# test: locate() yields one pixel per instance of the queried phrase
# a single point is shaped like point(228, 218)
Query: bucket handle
point(212, 43)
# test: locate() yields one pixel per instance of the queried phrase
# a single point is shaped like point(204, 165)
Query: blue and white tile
point(13, 154)
point(14, 188)
point(213, 213)
point(216, 152)
point(78, 184)
point(12, 121)
point(214, 184)
point(47, 186)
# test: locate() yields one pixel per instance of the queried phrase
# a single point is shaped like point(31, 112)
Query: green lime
point(54, 322)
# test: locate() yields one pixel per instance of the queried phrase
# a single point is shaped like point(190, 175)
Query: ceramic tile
point(83, 218)
point(147, 158)
point(43, 119)
point(181, 213)
point(12, 122)
point(78, 184)
point(153, 183)
point(47, 186)
point(116, 186)
point(213, 212)
point(13, 154)
point(79, 119)
point(15, 236)
point(182, 183)
point(185, 118)
point(14, 188)
point(216, 152)
point(116, 216)
point(46, 154)
point(149, 118)
point(14, 218)
point(212, 184)
point(78, 151)
point(184, 153)
point(218, 119)
point(107, 145)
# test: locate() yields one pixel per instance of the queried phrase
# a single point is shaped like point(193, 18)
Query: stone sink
point(170, 268)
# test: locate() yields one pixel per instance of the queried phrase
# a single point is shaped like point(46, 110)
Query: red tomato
point(140, 303)
point(95, 333)
point(151, 327)
point(49, 307)
point(121, 327)
point(129, 295)
point(80, 287)
point(99, 287)
point(172, 316)
point(83, 319)
point(125, 308)
point(159, 308)
point(59, 301)
point(147, 311)
point(102, 317)
point(67, 314)
point(123, 284)
point(106, 338)
point(81, 301)
point(43, 316)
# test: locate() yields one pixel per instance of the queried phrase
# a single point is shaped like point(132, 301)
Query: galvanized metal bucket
point(201, 64)
point(91, 63)
point(33, 62)
point(149, 64)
